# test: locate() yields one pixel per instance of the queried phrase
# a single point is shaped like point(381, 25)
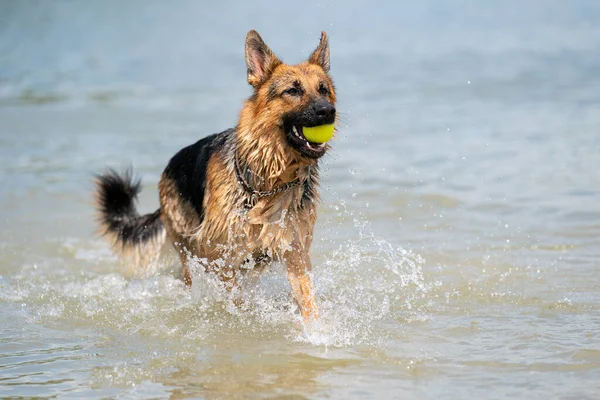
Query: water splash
point(363, 284)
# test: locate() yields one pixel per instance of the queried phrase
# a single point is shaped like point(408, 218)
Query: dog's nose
point(325, 110)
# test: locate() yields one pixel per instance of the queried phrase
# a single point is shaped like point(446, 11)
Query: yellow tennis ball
point(318, 134)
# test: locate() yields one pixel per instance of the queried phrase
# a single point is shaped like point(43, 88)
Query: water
point(457, 246)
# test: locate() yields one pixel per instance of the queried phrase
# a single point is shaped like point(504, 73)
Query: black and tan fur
point(207, 209)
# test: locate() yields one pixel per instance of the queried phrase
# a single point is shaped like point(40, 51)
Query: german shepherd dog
point(236, 200)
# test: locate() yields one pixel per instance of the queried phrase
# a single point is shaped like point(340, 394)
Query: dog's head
point(289, 98)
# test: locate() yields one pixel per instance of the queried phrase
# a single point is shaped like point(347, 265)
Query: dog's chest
point(270, 223)
point(276, 223)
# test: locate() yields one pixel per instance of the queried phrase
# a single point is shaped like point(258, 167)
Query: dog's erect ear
point(321, 54)
point(260, 60)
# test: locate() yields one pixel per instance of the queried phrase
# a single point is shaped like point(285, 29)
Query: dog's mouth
point(295, 138)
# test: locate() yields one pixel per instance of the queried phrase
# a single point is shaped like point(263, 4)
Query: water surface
point(457, 246)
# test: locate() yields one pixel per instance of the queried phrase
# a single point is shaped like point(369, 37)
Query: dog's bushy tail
point(133, 236)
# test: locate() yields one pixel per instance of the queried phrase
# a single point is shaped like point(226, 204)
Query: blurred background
point(458, 240)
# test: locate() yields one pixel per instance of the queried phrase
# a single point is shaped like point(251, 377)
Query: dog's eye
point(323, 90)
point(292, 91)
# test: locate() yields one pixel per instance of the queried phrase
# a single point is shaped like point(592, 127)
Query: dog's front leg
point(298, 270)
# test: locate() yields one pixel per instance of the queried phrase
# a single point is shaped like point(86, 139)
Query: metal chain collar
point(255, 195)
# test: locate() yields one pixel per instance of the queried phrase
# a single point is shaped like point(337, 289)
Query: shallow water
point(457, 247)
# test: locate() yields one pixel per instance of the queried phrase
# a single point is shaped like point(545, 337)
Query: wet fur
point(203, 206)
point(138, 238)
